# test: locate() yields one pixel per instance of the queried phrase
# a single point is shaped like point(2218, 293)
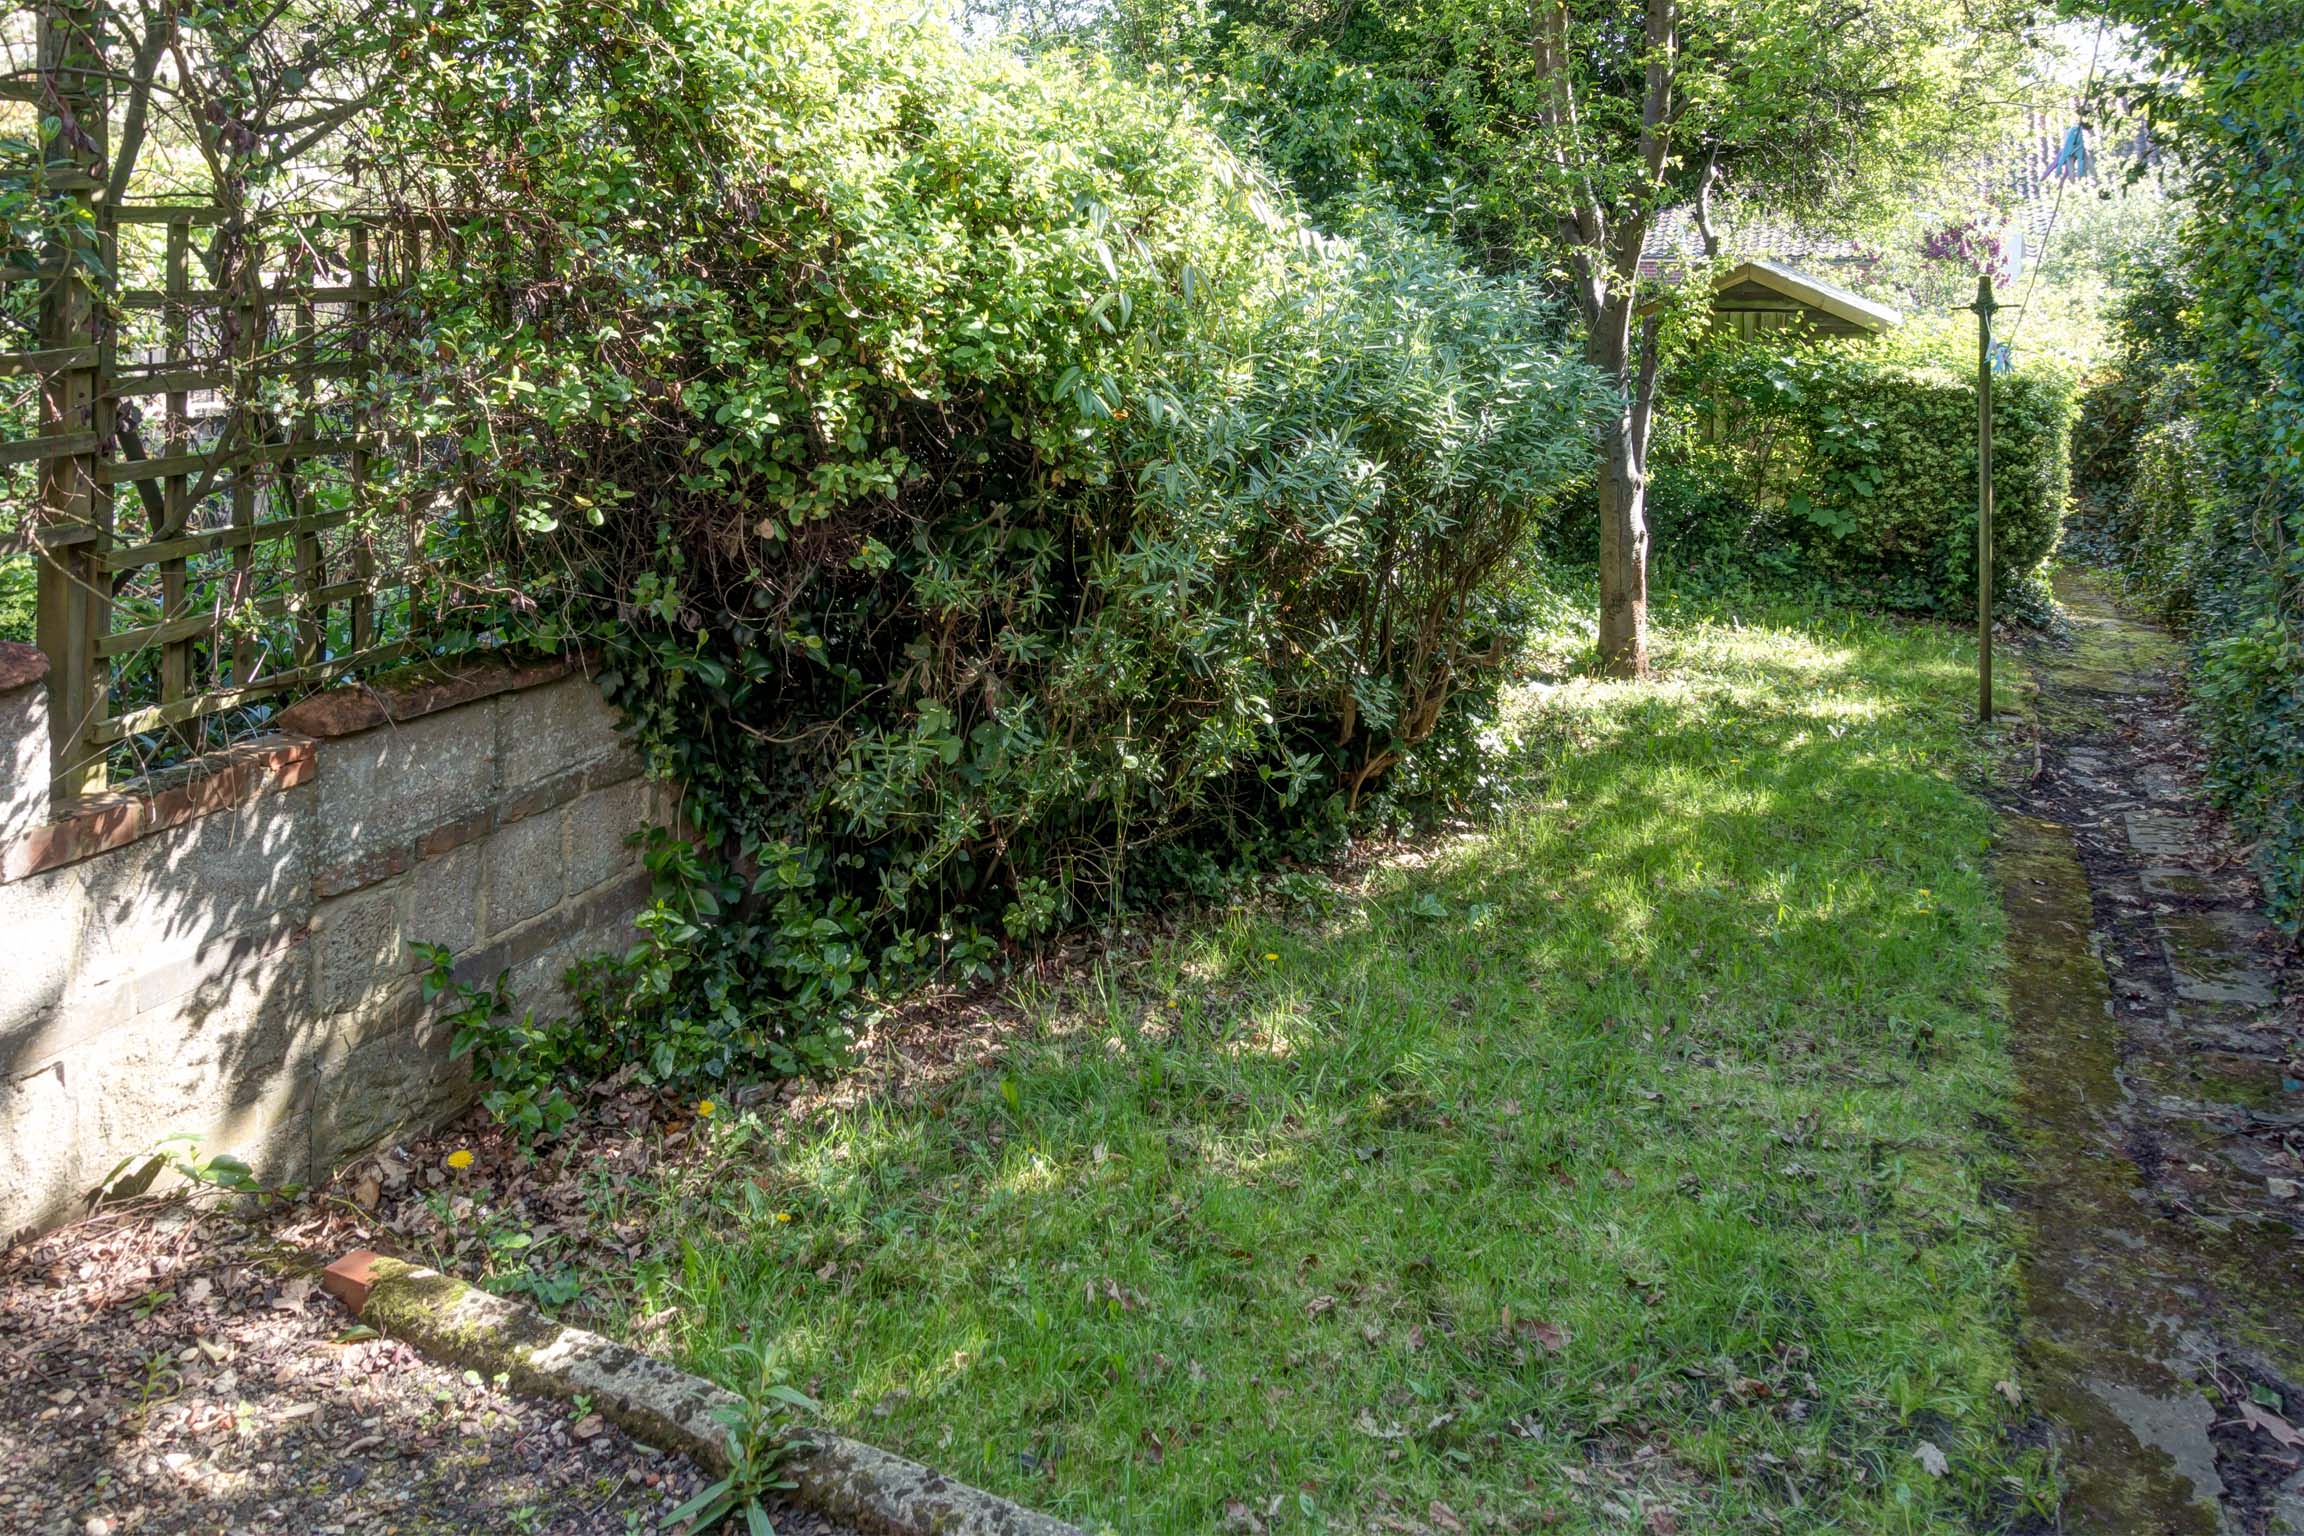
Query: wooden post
point(75, 512)
point(1985, 307)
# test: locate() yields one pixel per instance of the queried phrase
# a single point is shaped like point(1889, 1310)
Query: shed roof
point(1813, 292)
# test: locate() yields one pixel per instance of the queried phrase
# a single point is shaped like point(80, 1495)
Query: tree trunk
point(1623, 548)
point(1623, 443)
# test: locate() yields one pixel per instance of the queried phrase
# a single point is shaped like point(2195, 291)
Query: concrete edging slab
point(665, 1407)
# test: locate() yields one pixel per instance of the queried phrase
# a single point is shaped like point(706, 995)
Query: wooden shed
point(1762, 296)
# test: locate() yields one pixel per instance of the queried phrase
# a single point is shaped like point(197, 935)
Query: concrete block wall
point(225, 951)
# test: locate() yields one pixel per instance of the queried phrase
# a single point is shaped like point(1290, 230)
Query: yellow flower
point(1171, 1002)
point(460, 1158)
point(783, 1215)
point(1271, 954)
point(704, 1108)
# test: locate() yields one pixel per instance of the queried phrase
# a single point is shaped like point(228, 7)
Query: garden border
point(455, 1323)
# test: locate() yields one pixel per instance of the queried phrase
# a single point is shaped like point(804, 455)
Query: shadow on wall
point(224, 953)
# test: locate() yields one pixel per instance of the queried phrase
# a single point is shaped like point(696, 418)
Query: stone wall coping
point(21, 665)
point(419, 689)
point(215, 781)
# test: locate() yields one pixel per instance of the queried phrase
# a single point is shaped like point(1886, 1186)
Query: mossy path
point(2161, 1107)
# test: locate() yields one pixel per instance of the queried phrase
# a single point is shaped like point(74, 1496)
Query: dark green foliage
point(19, 590)
point(517, 1063)
point(2105, 429)
point(2229, 96)
point(2156, 521)
point(996, 503)
point(2117, 405)
point(1863, 474)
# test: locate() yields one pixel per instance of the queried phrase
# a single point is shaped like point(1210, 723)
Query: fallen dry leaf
point(2272, 1424)
point(1238, 1517)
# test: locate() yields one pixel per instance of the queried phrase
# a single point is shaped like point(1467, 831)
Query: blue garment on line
point(2073, 160)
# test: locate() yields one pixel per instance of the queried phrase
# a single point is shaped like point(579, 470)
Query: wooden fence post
point(75, 511)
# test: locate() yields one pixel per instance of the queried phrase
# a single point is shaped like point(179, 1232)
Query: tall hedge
point(1869, 469)
point(996, 501)
point(2226, 92)
point(2167, 500)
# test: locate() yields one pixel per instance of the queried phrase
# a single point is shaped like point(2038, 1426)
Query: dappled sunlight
point(1276, 1031)
point(1549, 1116)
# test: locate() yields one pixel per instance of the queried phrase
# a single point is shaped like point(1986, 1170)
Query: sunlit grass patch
point(1619, 1167)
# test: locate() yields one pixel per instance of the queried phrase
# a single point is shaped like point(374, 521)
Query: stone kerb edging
point(667, 1408)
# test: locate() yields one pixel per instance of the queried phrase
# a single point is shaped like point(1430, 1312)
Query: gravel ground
point(176, 1368)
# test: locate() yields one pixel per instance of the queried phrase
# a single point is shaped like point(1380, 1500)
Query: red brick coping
point(219, 781)
point(21, 665)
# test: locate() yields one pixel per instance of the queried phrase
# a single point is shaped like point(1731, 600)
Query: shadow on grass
point(1621, 1158)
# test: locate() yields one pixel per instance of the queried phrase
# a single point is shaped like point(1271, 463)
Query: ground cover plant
point(1622, 1165)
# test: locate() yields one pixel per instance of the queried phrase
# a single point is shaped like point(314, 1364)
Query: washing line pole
point(1985, 306)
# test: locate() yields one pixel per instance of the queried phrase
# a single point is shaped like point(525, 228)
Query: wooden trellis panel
point(211, 477)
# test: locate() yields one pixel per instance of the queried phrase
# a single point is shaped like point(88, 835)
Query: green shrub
point(2108, 422)
point(996, 503)
point(19, 598)
point(2154, 524)
point(1868, 470)
point(2224, 83)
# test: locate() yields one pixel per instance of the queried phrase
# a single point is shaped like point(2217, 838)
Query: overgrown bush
point(997, 504)
point(2121, 400)
point(2154, 525)
point(1865, 473)
point(2108, 421)
point(2224, 84)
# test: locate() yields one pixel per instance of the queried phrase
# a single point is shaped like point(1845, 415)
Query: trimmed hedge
point(1868, 470)
point(2170, 493)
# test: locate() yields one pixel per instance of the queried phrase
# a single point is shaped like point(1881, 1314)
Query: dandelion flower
point(783, 1215)
point(460, 1158)
point(704, 1108)
point(1271, 954)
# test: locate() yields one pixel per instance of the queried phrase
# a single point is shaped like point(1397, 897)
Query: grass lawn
point(1619, 1168)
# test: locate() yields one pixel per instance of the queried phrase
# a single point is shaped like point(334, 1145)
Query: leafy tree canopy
point(1552, 134)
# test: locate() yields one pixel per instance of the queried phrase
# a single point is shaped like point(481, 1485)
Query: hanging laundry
point(2074, 160)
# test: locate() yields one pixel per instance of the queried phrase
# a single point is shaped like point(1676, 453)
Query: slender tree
point(1555, 132)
